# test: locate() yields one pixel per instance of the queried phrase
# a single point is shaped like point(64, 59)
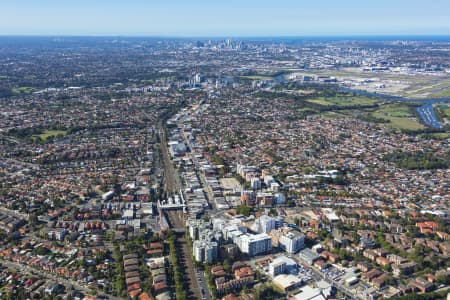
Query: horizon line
point(350, 35)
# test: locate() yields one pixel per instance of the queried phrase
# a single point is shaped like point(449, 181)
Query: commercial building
point(177, 148)
point(323, 290)
point(277, 268)
point(292, 242)
point(308, 256)
point(287, 282)
point(281, 265)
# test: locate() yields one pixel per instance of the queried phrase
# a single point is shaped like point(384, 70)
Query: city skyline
point(233, 18)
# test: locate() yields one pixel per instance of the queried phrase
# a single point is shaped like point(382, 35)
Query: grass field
point(48, 133)
point(23, 90)
point(445, 109)
point(321, 101)
point(305, 109)
point(332, 115)
point(296, 91)
point(441, 135)
point(401, 123)
point(444, 93)
point(396, 110)
point(399, 116)
point(344, 101)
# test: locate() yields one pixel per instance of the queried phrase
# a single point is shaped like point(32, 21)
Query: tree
point(227, 265)
point(32, 219)
point(41, 250)
point(267, 292)
point(18, 293)
point(244, 210)
point(258, 275)
point(443, 279)
point(120, 284)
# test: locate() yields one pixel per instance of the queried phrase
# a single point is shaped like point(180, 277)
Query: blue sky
point(225, 18)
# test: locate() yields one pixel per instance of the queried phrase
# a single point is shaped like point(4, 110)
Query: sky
point(225, 17)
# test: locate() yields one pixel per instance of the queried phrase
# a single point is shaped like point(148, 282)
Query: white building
point(254, 244)
point(107, 195)
point(279, 198)
point(206, 240)
point(323, 290)
point(231, 232)
point(205, 251)
point(287, 282)
point(275, 187)
point(255, 183)
point(196, 227)
point(266, 224)
point(277, 268)
point(199, 251)
point(193, 232)
point(198, 78)
point(292, 242)
point(330, 214)
point(268, 180)
point(308, 255)
point(211, 252)
point(282, 265)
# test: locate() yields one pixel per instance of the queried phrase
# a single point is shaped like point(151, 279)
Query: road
point(190, 273)
point(14, 213)
point(203, 284)
point(22, 163)
point(66, 282)
point(201, 176)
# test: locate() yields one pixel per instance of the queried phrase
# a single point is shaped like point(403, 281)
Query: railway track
point(177, 221)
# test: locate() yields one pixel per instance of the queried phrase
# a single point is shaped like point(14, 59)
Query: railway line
point(177, 222)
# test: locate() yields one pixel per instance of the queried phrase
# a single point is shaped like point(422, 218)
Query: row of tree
point(419, 160)
point(180, 290)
